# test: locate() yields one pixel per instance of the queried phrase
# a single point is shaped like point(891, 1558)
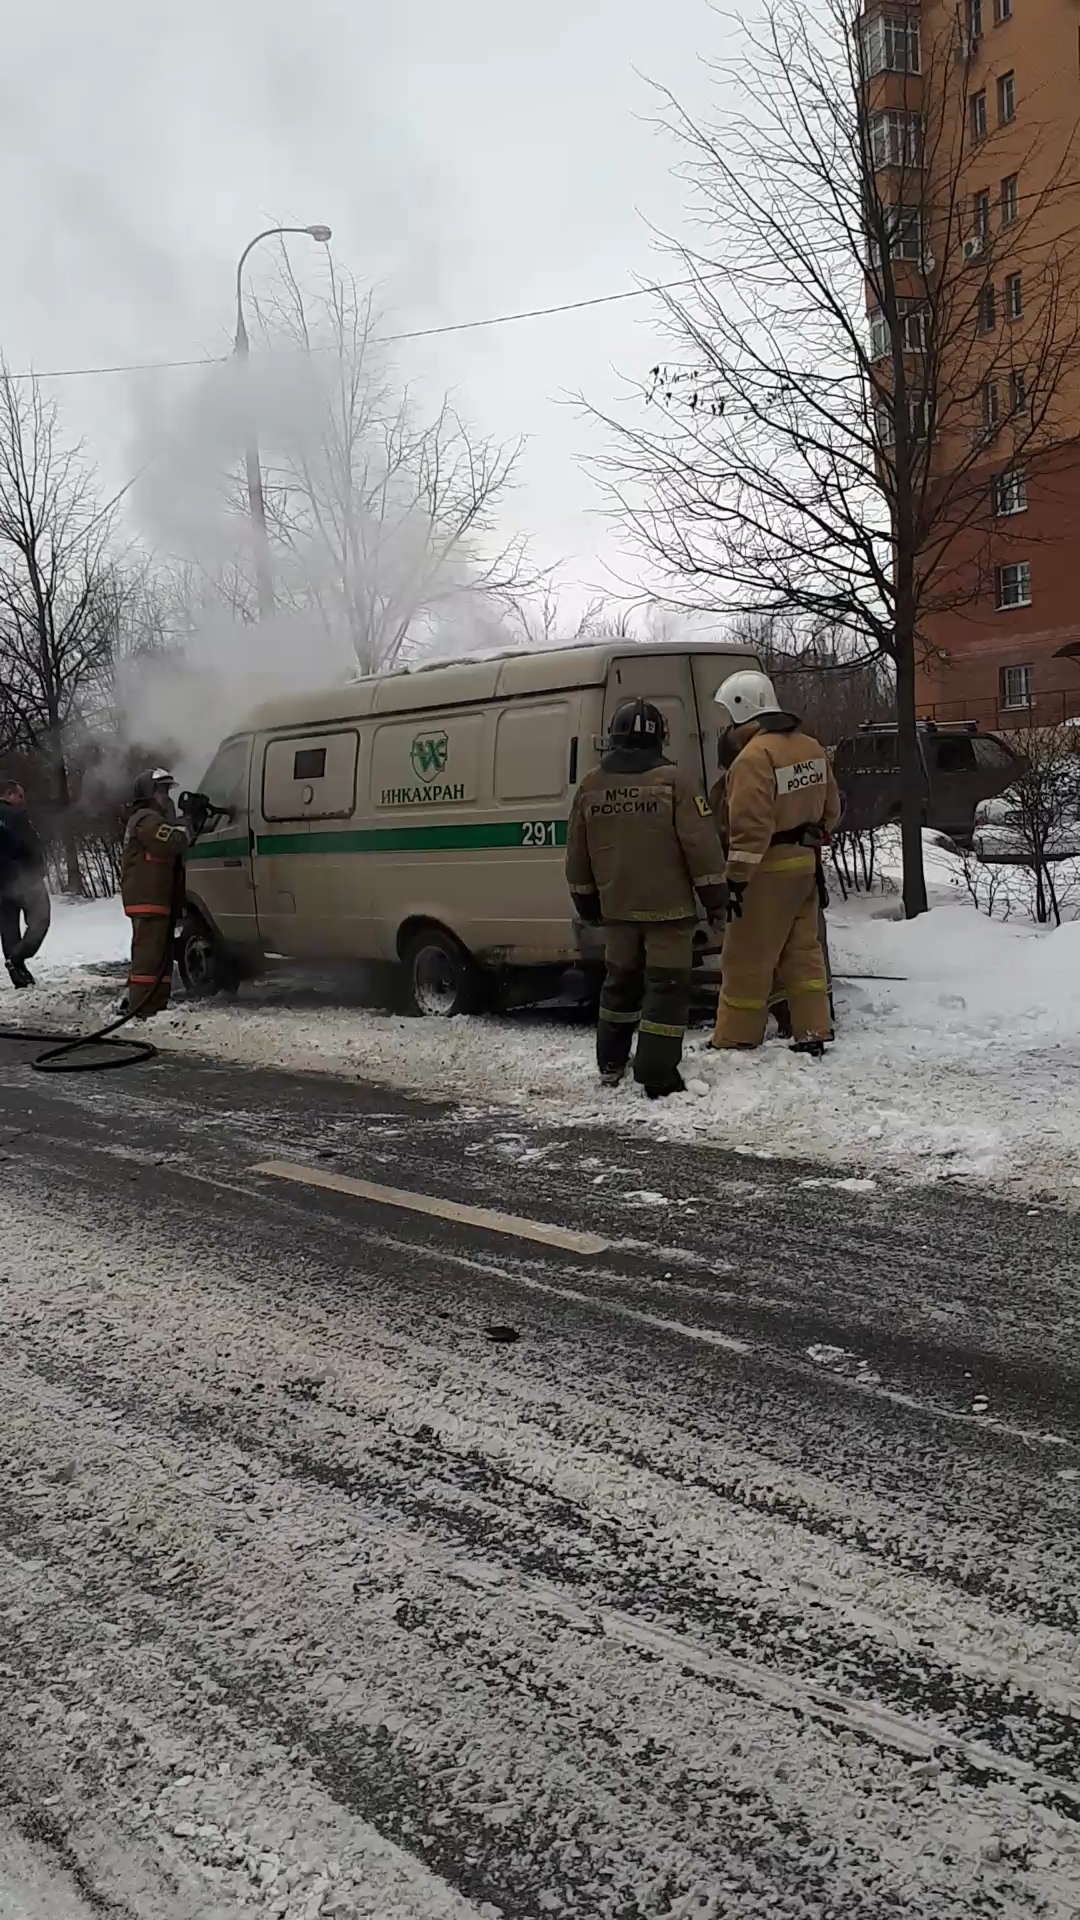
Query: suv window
point(991, 753)
point(954, 754)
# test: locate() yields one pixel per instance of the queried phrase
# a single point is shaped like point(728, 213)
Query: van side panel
point(466, 826)
point(312, 896)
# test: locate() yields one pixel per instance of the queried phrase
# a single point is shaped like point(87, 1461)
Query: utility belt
point(808, 835)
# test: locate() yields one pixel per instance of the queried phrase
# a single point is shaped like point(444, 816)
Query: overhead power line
point(384, 339)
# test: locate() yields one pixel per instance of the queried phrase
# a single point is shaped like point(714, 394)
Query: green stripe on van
point(442, 839)
point(219, 849)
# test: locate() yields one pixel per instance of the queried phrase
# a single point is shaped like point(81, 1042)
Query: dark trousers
point(25, 897)
point(646, 991)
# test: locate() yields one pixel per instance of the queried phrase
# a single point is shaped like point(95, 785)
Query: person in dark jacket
point(24, 898)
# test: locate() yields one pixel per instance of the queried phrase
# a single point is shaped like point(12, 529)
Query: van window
point(432, 760)
point(310, 779)
point(532, 753)
point(225, 780)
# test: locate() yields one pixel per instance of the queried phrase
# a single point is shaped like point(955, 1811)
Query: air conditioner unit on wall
point(974, 246)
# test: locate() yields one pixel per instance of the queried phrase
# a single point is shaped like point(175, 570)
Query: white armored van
point(420, 818)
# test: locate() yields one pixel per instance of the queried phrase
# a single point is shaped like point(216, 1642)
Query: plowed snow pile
point(967, 1065)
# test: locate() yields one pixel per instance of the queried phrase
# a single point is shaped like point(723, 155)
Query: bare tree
point(1035, 826)
point(847, 397)
point(387, 515)
point(815, 675)
point(61, 596)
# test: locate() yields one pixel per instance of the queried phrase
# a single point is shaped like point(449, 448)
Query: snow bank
point(967, 1064)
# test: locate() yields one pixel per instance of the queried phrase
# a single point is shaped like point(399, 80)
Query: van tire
point(441, 979)
point(204, 964)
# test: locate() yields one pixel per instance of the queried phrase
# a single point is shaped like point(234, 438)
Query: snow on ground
point(32, 1887)
point(967, 1064)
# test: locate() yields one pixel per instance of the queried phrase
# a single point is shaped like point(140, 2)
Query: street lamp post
point(264, 578)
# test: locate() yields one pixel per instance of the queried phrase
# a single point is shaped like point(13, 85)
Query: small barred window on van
point(309, 763)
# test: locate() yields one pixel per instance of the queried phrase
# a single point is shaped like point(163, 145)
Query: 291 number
point(539, 833)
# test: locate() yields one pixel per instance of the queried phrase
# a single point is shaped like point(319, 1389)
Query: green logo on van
point(430, 752)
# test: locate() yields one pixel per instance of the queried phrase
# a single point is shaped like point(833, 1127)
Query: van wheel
point(205, 967)
point(441, 979)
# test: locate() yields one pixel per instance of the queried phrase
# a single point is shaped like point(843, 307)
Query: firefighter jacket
point(779, 788)
point(151, 869)
point(641, 840)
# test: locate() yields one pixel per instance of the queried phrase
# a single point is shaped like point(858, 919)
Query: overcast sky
point(473, 157)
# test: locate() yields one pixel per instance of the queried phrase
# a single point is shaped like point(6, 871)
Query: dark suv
point(960, 767)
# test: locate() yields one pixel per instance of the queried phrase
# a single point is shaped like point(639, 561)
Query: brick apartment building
point(1007, 74)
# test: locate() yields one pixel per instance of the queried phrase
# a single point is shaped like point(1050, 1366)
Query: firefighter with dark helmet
point(641, 842)
point(152, 889)
point(778, 805)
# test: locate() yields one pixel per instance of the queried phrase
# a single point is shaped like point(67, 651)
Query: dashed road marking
point(433, 1204)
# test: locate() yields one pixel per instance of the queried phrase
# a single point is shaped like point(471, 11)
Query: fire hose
point(59, 1052)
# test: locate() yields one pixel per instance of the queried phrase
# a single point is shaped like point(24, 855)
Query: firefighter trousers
point(150, 975)
point(646, 991)
point(775, 948)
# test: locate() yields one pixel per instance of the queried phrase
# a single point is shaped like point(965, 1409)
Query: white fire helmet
point(747, 695)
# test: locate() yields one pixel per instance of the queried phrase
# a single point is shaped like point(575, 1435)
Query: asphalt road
point(701, 1539)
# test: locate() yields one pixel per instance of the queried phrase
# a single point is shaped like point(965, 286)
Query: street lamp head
point(320, 233)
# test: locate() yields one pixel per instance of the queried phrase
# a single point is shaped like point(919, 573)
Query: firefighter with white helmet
point(779, 804)
point(152, 889)
point(641, 843)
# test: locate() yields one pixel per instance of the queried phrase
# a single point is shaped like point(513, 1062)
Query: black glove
point(735, 891)
point(587, 907)
point(196, 809)
point(714, 899)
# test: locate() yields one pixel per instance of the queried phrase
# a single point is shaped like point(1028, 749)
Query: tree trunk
point(912, 779)
point(68, 837)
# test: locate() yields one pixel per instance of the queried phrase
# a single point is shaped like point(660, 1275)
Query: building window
point(1006, 89)
point(1017, 390)
point(890, 44)
point(903, 225)
point(1014, 586)
point(980, 217)
point(1010, 200)
point(991, 405)
point(974, 19)
point(977, 111)
point(987, 308)
point(1002, 12)
point(1009, 492)
point(918, 413)
point(896, 139)
point(1014, 297)
point(880, 336)
point(1017, 686)
point(910, 327)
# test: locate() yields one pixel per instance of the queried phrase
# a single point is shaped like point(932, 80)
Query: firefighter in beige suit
point(778, 804)
point(152, 890)
point(641, 842)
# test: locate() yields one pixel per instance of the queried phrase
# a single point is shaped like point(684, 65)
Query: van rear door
point(665, 679)
point(709, 670)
